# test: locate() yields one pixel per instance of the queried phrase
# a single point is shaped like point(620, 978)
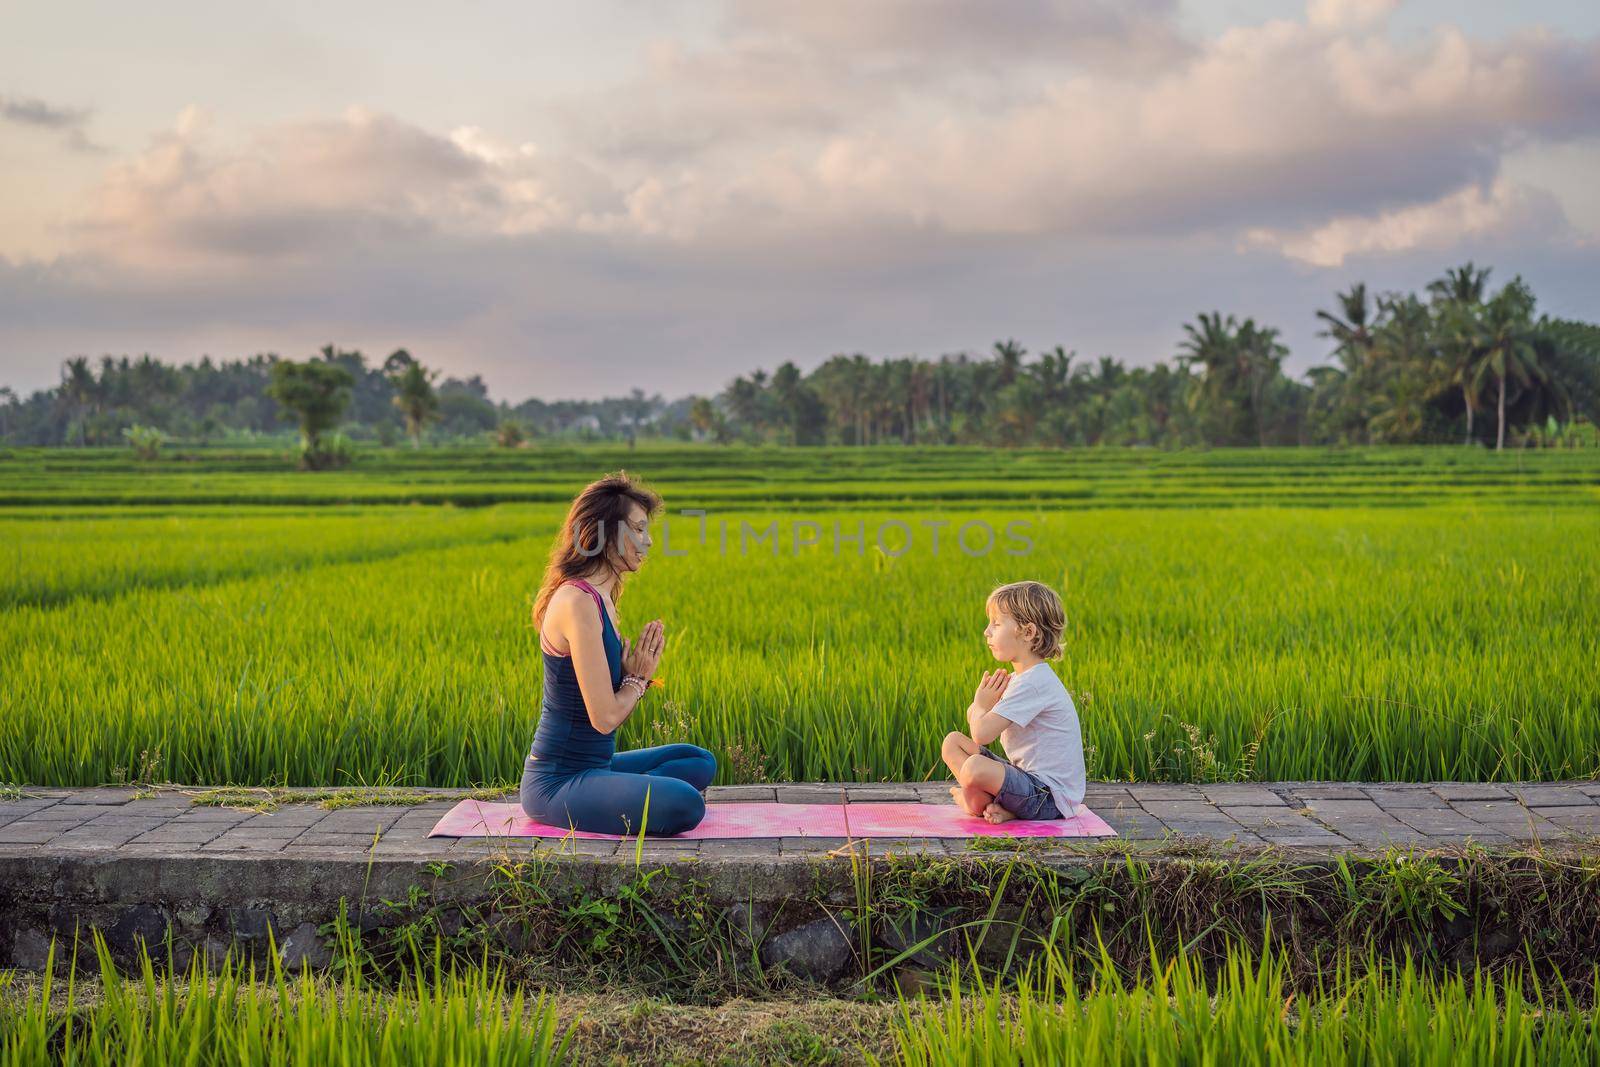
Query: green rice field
point(1174, 1013)
point(233, 1014)
point(216, 617)
point(1246, 1013)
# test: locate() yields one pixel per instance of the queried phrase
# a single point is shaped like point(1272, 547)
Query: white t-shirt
point(1044, 738)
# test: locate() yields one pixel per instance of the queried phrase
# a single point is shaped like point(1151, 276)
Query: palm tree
point(834, 383)
point(1460, 285)
point(1344, 390)
point(1405, 360)
point(897, 400)
point(1206, 346)
point(1460, 331)
point(1008, 361)
point(1110, 373)
point(413, 395)
point(746, 399)
point(8, 400)
point(861, 381)
point(79, 389)
point(1458, 304)
point(882, 396)
point(800, 412)
point(1210, 347)
point(941, 387)
point(920, 386)
point(1569, 352)
point(1239, 362)
point(1352, 332)
point(1260, 357)
point(1401, 410)
point(1508, 349)
point(398, 360)
point(1163, 387)
point(1052, 385)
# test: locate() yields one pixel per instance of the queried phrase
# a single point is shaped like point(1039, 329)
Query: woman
point(593, 679)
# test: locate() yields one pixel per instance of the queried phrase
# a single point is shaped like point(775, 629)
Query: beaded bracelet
point(636, 682)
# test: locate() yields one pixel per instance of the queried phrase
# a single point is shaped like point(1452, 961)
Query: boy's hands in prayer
point(990, 689)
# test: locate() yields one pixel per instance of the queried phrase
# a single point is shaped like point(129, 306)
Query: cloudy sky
point(576, 199)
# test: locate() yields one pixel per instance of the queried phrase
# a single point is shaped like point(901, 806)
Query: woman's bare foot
point(996, 814)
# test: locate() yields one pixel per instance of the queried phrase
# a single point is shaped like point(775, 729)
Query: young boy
point(1029, 710)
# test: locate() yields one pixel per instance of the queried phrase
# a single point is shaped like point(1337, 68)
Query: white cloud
point(296, 190)
point(1503, 210)
point(815, 159)
point(1343, 14)
point(902, 116)
point(806, 118)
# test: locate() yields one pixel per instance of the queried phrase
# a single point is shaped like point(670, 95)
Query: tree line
point(1457, 363)
point(240, 401)
point(1460, 361)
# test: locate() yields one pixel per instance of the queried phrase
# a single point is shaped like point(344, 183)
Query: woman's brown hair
point(591, 534)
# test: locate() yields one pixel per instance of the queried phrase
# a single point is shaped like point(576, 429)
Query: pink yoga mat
point(476, 818)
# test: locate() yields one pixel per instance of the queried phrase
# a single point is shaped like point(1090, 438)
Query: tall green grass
point(1275, 643)
point(229, 1014)
point(1247, 1014)
point(47, 560)
point(1174, 1013)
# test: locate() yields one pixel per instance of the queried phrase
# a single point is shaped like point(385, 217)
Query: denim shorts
point(1022, 794)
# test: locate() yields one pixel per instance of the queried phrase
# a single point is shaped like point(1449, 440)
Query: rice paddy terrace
point(759, 476)
point(1424, 614)
point(1340, 706)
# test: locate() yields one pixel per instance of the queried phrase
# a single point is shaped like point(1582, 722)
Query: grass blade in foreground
point(231, 1016)
point(1248, 1015)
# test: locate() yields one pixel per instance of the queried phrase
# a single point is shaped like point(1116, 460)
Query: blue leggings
point(611, 800)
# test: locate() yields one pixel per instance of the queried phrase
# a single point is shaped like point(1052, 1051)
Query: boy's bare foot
point(975, 800)
point(960, 797)
point(996, 814)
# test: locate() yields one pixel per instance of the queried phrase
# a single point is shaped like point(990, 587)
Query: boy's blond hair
point(1036, 603)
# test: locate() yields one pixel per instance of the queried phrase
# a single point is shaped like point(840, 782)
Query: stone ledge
point(209, 901)
point(142, 863)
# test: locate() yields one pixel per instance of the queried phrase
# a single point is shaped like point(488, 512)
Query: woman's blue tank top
point(565, 741)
